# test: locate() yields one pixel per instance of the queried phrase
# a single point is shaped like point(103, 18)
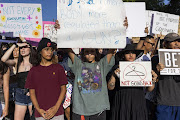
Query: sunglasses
point(24, 47)
point(150, 43)
point(87, 52)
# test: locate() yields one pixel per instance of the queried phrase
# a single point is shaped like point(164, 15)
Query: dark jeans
point(98, 116)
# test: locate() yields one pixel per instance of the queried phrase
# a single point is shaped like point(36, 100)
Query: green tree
point(173, 7)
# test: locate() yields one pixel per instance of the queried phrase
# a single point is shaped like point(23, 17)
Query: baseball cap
point(170, 37)
point(45, 42)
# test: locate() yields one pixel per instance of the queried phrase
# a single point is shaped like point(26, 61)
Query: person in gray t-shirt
point(90, 96)
point(168, 90)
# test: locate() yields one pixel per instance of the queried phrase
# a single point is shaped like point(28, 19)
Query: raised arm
point(110, 54)
point(7, 54)
point(70, 53)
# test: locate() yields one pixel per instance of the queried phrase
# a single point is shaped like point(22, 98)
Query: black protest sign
point(171, 60)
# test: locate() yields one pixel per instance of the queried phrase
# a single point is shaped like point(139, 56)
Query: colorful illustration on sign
point(39, 9)
point(39, 27)
point(20, 18)
point(29, 17)
point(3, 18)
point(36, 33)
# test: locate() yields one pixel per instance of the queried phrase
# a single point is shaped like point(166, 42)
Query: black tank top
point(21, 79)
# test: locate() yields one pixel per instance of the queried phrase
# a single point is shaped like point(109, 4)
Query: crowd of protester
point(34, 82)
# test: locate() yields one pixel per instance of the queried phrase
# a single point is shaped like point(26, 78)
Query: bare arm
point(6, 91)
point(140, 45)
point(110, 54)
point(53, 110)
point(70, 53)
point(112, 81)
point(7, 54)
point(35, 103)
point(154, 80)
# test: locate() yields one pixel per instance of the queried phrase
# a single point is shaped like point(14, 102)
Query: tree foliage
point(158, 5)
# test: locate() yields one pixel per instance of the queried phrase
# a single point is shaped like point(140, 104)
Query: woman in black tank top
point(27, 58)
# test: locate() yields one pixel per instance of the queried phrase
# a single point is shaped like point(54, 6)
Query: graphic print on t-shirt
point(91, 81)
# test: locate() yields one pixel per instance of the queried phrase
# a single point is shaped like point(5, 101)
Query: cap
point(171, 37)
point(45, 42)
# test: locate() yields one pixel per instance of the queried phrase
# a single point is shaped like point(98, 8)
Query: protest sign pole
point(152, 19)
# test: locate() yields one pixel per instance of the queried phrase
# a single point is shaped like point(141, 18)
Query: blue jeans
point(164, 112)
point(21, 98)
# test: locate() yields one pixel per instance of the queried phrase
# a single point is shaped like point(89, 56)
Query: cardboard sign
point(91, 24)
point(165, 23)
point(135, 74)
point(50, 32)
point(135, 12)
point(24, 19)
point(171, 59)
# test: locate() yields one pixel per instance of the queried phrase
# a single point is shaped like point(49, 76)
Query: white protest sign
point(135, 74)
point(50, 32)
point(136, 15)
point(24, 19)
point(91, 24)
point(165, 23)
point(171, 60)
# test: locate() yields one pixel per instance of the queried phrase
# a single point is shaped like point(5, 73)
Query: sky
point(49, 7)
point(166, 2)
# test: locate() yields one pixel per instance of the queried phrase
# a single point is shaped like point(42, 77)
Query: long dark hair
point(32, 58)
point(3, 68)
point(97, 55)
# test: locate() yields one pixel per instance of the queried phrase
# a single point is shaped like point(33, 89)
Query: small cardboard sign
point(171, 60)
point(135, 74)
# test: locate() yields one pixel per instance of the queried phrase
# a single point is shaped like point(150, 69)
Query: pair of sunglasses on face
point(27, 46)
point(91, 51)
point(153, 44)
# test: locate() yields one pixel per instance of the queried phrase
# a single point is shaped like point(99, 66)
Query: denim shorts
point(21, 98)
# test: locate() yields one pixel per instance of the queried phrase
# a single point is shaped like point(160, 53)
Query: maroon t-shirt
point(47, 81)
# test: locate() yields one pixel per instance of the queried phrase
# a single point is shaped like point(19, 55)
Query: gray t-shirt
point(168, 87)
point(90, 95)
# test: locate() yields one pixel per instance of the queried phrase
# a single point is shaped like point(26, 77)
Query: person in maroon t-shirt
point(47, 84)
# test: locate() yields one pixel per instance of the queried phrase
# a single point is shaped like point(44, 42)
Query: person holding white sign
point(168, 90)
point(129, 102)
point(90, 96)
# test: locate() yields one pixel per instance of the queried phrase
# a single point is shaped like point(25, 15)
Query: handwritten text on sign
point(91, 24)
point(135, 74)
point(165, 23)
point(24, 19)
point(50, 32)
point(171, 59)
